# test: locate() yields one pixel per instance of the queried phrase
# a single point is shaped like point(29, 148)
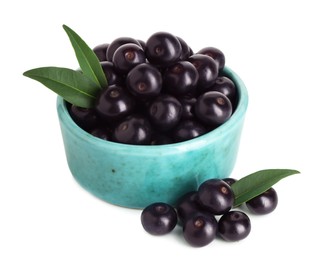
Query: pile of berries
point(196, 212)
point(158, 92)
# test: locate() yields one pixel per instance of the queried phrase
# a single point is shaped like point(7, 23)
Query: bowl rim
point(238, 115)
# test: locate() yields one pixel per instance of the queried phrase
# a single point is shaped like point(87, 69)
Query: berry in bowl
point(148, 121)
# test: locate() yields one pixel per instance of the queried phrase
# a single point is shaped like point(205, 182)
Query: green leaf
point(72, 85)
point(87, 59)
point(256, 183)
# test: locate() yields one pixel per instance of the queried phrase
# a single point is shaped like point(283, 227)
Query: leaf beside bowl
point(72, 85)
point(88, 61)
point(78, 88)
point(256, 183)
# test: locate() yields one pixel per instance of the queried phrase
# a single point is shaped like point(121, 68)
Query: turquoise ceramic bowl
point(135, 176)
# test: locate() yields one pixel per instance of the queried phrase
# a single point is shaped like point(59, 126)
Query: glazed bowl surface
point(135, 176)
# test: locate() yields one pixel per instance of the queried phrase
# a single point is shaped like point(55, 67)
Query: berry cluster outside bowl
point(135, 176)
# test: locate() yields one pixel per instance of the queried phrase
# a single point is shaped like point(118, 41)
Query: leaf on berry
point(73, 86)
point(256, 183)
point(87, 59)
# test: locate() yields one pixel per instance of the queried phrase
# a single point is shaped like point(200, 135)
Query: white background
point(275, 47)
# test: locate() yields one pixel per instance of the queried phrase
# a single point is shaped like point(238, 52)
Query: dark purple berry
point(229, 181)
point(215, 196)
point(180, 78)
point(144, 81)
point(191, 52)
point(114, 103)
point(142, 44)
point(86, 118)
point(163, 49)
point(135, 129)
point(114, 45)
point(101, 51)
point(186, 51)
point(207, 69)
point(128, 56)
point(264, 203)
point(160, 138)
point(213, 108)
point(187, 130)
point(101, 132)
point(215, 54)
point(111, 74)
point(187, 103)
point(199, 230)
point(165, 112)
point(187, 206)
point(234, 226)
point(225, 86)
point(159, 218)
